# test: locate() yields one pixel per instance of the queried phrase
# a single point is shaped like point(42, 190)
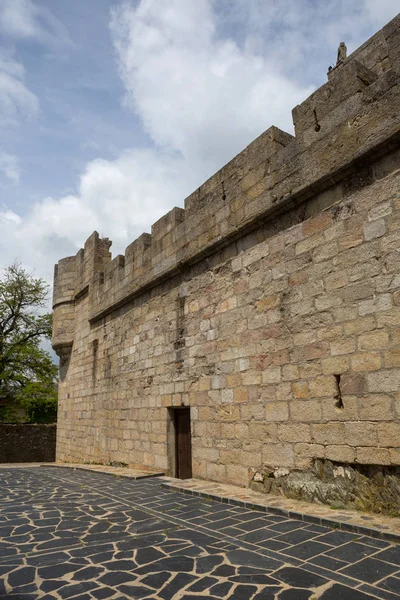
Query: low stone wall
point(27, 443)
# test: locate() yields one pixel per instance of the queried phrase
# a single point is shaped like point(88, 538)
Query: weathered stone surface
point(269, 306)
point(375, 489)
point(27, 443)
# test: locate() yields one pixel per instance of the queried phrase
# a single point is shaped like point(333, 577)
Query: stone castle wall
point(270, 305)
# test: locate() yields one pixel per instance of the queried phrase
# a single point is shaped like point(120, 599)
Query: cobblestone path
point(75, 534)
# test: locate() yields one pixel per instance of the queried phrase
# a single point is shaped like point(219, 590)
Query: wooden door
point(183, 443)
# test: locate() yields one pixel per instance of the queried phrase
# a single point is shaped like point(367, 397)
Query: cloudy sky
point(111, 112)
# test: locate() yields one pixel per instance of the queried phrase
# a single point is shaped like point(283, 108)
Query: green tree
point(27, 372)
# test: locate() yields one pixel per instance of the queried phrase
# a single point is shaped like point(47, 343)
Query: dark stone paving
point(80, 535)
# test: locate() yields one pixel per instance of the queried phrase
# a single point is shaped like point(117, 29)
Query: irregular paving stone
point(252, 559)
point(156, 580)
point(194, 597)
point(22, 576)
point(25, 589)
point(117, 577)
point(202, 584)
point(75, 589)
point(49, 585)
point(267, 594)
point(197, 537)
point(175, 563)
point(141, 542)
point(7, 551)
point(180, 581)
point(207, 563)
point(128, 554)
point(102, 557)
point(147, 555)
point(56, 571)
point(221, 589)
point(134, 591)
point(224, 571)
point(120, 565)
point(242, 592)
point(295, 594)
point(87, 573)
point(299, 578)
point(253, 578)
point(103, 593)
point(47, 559)
point(59, 543)
point(190, 551)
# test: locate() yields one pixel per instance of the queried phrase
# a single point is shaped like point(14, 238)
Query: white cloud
point(197, 94)
point(8, 217)
point(9, 167)
point(20, 19)
point(17, 17)
point(119, 198)
point(16, 100)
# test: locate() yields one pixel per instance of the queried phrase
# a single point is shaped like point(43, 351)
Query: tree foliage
point(27, 372)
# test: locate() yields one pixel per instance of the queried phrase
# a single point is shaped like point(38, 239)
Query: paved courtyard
point(76, 534)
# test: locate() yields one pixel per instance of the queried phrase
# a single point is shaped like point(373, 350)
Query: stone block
point(361, 433)
point(345, 454)
point(272, 375)
point(392, 357)
point(335, 365)
point(353, 384)
point(375, 229)
point(216, 472)
point(360, 325)
point(373, 340)
point(348, 411)
point(389, 434)
point(237, 475)
point(300, 389)
point(306, 411)
point(365, 361)
point(276, 411)
point(278, 455)
point(384, 381)
point(305, 450)
point(328, 433)
point(296, 432)
point(323, 387)
point(373, 456)
point(375, 408)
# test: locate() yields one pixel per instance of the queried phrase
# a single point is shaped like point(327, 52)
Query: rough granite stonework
point(26, 443)
point(270, 305)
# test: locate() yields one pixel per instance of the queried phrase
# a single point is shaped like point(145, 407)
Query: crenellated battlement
point(353, 115)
